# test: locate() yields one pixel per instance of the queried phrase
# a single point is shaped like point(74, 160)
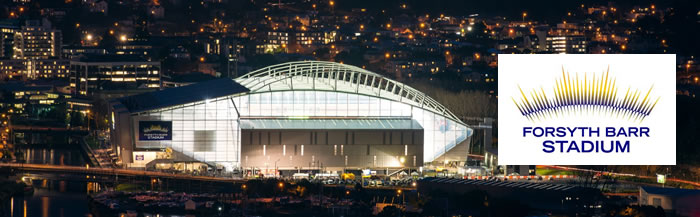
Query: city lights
point(285, 101)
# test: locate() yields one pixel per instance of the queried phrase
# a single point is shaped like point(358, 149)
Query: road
point(91, 171)
point(108, 171)
point(696, 184)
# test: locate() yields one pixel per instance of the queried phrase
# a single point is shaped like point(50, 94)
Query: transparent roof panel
point(331, 124)
point(331, 76)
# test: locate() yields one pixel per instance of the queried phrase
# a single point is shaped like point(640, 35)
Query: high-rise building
point(566, 38)
point(7, 36)
point(566, 44)
point(113, 72)
point(37, 40)
point(33, 69)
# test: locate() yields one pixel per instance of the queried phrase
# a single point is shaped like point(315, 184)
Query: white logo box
point(575, 99)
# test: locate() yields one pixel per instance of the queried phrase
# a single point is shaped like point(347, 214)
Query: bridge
point(92, 171)
point(114, 176)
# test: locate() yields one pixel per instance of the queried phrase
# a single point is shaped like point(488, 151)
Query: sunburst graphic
point(584, 95)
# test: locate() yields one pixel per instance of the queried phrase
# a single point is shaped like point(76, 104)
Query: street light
point(524, 15)
point(87, 115)
point(276, 171)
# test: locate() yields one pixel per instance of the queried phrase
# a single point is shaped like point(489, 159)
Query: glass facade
point(204, 131)
point(209, 131)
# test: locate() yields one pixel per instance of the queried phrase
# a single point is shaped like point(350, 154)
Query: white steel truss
point(331, 76)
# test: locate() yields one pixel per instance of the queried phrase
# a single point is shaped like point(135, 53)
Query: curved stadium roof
point(331, 76)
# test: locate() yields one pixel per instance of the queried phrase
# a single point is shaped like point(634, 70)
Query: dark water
point(52, 198)
point(56, 156)
point(50, 203)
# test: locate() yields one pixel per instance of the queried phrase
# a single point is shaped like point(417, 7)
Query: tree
point(389, 211)
point(76, 119)
point(466, 103)
point(108, 41)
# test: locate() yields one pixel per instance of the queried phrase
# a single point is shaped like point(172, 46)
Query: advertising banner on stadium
point(155, 130)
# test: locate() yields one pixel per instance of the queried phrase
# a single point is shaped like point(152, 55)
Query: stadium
point(295, 116)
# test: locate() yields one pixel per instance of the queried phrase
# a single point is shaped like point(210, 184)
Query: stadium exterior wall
point(215, 123)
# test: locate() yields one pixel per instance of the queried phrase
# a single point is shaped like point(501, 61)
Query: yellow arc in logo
point(576, 95)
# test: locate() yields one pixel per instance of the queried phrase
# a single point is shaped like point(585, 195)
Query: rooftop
point(181, 95)
point(503, 184)
point(111, 58)
point(676, 192)
point(17, 87)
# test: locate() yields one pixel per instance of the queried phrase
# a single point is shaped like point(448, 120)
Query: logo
point(586, 109)
point(155, 130)
point(586, 95)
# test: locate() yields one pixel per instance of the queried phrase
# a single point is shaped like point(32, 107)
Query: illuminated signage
point(661, 179)
point(155, 130)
